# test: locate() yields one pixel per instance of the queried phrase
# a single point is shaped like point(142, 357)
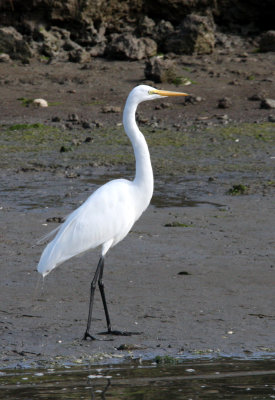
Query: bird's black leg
point(92, 293)
point(102, 292)
point(98, 277)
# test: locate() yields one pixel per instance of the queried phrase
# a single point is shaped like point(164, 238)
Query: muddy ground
point(204, 284)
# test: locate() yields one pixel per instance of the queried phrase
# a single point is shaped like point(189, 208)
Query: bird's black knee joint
point(93, 285)
point(101, 283)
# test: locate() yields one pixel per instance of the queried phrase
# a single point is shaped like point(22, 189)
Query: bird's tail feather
point(45, 238)
point(44, 267)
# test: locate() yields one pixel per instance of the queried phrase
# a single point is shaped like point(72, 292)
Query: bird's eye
point(150, 92)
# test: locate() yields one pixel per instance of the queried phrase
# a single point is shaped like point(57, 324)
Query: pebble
point(193, 99)
point(223, 117)
point(111, 109)
point(40, 103)
point(87, 125)
point(73, 117)
point(129, 347)
point(255, 97)
point(59, 220)
point(5, 58)
point(98, 124)
point(88, 139)
point(225, 102)
point(56, 119)
point(267, 103)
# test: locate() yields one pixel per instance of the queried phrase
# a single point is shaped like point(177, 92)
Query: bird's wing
point(108, 214)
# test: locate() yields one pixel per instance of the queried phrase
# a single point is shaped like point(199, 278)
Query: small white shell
point(40, 103)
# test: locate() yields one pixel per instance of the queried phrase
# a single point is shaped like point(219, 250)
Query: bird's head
point(144, 93)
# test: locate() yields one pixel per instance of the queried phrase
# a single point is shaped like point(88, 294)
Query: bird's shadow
point(120, 333)
point(108, 335)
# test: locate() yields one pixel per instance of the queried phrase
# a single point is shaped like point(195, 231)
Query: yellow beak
point(168, 93)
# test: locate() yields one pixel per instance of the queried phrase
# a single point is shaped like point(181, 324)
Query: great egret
point(107, 216)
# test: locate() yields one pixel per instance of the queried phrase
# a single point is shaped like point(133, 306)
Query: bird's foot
point(119, 333)
point(88, 335)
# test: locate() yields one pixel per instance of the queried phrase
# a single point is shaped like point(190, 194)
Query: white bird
point(107, 216)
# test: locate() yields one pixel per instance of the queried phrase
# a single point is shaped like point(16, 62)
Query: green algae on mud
point(177, 224)
point(195, 150)
point(238, 189)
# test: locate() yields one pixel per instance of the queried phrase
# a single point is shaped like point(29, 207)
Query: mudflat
point(196, 274)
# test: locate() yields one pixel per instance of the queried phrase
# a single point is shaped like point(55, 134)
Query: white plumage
point(107, 216)
point(104, 219)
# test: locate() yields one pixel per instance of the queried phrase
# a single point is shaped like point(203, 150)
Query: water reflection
point(47, 190)
point(226, 379)
point(101, 395)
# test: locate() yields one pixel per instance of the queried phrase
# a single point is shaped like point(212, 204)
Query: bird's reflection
point(102, 394)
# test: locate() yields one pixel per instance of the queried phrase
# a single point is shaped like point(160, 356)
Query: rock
point(50, 41)
point(13, 44)
point(141, 118)
point(223, 118)
point(193, 99)
point(111, 109)
point(256, 97)
point(267, 41)
point(125, 46)
point(73, 118)
point(160, 70)
point(5, 58)
point(162, 31)
point(84, 17)
point(267, 104)
point(56, 119)
point(130, 347)
point(70, 45)
point(59, 220)
point(194, 36)
point(54, 42)
point(92, 36)
point(71, 174)
point(150, 47)
point(146, 26)
point(98, 124)
point(225, 102)
point(98, 50)
point(235, 82)
point(94, 39)
point(79, 56)
point(271, 118)
point(165, 105)
point(223, 41)
point(87, 125)
point(88, 139)
point(76, 142)
point(40, 103)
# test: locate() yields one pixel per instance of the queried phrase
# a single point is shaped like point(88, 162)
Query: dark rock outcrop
point(160, 70)
point(267, 41)
point(194, 35)
point(13, 43)
point(126, 46)
point(128, 29)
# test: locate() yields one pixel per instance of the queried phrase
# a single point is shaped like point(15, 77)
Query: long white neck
point(144, 179)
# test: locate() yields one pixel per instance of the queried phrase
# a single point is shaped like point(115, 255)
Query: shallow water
point(50, 191)
point(208, 379)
